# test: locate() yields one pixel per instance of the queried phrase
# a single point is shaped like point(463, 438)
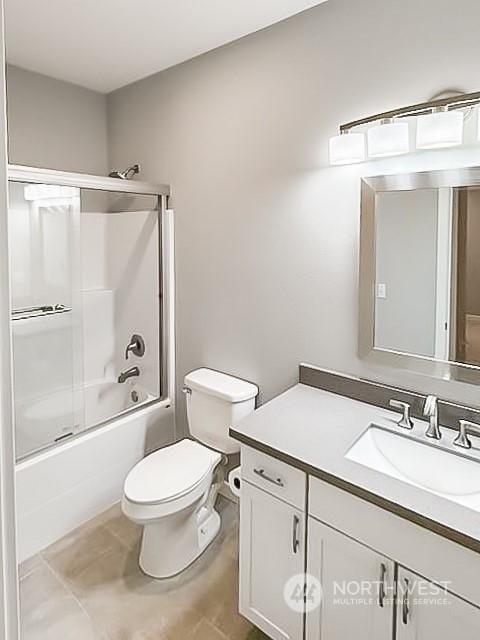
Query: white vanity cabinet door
point(357, 584)
point(426, 612)
point(271, 551)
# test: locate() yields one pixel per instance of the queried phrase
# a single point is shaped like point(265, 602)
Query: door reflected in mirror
point(420, 268)
point(427, 283)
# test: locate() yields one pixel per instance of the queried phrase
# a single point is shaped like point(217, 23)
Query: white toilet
point(172, 492)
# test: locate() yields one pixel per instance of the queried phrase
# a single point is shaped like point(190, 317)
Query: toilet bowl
point(172, 492)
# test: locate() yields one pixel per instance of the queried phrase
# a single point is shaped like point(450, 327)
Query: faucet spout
point(129, 373)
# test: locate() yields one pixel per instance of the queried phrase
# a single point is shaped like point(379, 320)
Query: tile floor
point(88, 586)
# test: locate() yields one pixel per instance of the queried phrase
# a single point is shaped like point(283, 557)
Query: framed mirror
point(420, 272)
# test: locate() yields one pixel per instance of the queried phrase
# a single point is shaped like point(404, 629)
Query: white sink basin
point(424, 465)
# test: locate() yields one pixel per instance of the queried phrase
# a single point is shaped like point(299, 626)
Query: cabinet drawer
point(274, 476)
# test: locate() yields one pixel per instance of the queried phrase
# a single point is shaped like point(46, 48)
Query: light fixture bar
point(455, 102)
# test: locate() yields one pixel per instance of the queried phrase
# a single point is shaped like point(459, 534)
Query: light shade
point(347, 148)
point(442, 129)
point(389, 139)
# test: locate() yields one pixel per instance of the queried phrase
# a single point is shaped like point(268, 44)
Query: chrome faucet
point(431, 411)
point(129, 373)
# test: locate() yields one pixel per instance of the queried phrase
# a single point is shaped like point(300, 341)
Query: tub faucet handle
point(136, 346)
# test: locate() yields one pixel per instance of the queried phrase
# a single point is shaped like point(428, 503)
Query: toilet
point(172, 492)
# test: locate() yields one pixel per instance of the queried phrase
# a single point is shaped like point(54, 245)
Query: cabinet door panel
point(271, 551)
point(427, 612)
point(358, 588)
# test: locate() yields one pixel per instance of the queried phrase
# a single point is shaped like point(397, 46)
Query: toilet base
point(170, 545)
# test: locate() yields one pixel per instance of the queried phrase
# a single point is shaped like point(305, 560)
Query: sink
point(446, 473)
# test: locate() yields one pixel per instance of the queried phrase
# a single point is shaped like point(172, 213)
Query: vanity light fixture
point(388, 139)
point(347, 148)
point(439, 124)
point(440, 129)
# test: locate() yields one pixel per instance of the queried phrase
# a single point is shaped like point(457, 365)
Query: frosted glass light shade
point(442, 129)
point(347, 148)
point(390, 139)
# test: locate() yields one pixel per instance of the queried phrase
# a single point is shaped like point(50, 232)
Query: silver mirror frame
point(370, 186)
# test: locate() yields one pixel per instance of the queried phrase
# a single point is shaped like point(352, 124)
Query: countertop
point(312, 430)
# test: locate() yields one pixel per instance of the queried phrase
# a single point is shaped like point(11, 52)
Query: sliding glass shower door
point(86, 308)
point(46, 313)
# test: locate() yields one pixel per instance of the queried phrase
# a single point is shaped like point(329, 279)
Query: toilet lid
point(170, 472)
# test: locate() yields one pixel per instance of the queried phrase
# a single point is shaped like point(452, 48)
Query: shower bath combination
point(75, 328)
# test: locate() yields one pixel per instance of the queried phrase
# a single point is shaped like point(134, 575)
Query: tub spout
point(129, 373)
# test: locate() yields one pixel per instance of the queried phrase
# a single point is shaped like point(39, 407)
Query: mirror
point(420, 271)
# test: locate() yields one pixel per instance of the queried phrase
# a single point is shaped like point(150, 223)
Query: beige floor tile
point(79, 549)
point(48, 611)
point(38, 587)
point(102, 590)
point(27, 566)
point(124, 529)
point(205, 631)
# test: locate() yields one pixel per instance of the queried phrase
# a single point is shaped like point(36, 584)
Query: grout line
point(66, 586)
point(30, 571)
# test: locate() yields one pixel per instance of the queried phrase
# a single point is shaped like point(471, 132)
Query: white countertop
point(313, 429)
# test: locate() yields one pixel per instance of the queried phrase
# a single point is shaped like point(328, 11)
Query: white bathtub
point(102, 400)
point(43, 421)
point(66, 485)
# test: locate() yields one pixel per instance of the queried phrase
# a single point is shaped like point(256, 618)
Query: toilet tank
point(216, 401)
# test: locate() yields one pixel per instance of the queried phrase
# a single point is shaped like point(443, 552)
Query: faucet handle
point(466, 427)
point(405, 421)
point(135, 346)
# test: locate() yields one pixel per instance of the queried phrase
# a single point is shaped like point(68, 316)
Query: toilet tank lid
point(221, 385)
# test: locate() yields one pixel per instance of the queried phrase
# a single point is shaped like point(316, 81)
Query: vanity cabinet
point(272, 550)
point(427, 611)
point(357, 585)
point(358, 552)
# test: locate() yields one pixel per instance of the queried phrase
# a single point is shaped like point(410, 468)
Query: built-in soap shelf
point(39, 311)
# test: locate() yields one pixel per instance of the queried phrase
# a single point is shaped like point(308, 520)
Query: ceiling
point(106, 44)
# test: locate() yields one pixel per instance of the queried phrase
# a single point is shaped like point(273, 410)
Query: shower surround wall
point(120, 294)
point(267, 233)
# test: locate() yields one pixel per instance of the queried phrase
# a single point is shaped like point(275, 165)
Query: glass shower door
point(44, 228)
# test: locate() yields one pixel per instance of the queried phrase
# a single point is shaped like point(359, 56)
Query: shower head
point(127, 174)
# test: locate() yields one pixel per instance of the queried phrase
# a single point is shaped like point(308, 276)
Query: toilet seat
point(170, 473)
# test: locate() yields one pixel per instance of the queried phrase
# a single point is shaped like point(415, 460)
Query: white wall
point(266, 233)
point(54, 124)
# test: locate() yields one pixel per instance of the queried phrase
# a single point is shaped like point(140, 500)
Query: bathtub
point(102, 400)
point(62, 487)
point(41, 422)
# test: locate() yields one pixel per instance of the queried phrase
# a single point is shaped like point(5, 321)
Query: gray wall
point(54, 124)
point(267, 234)
point(406, 263)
